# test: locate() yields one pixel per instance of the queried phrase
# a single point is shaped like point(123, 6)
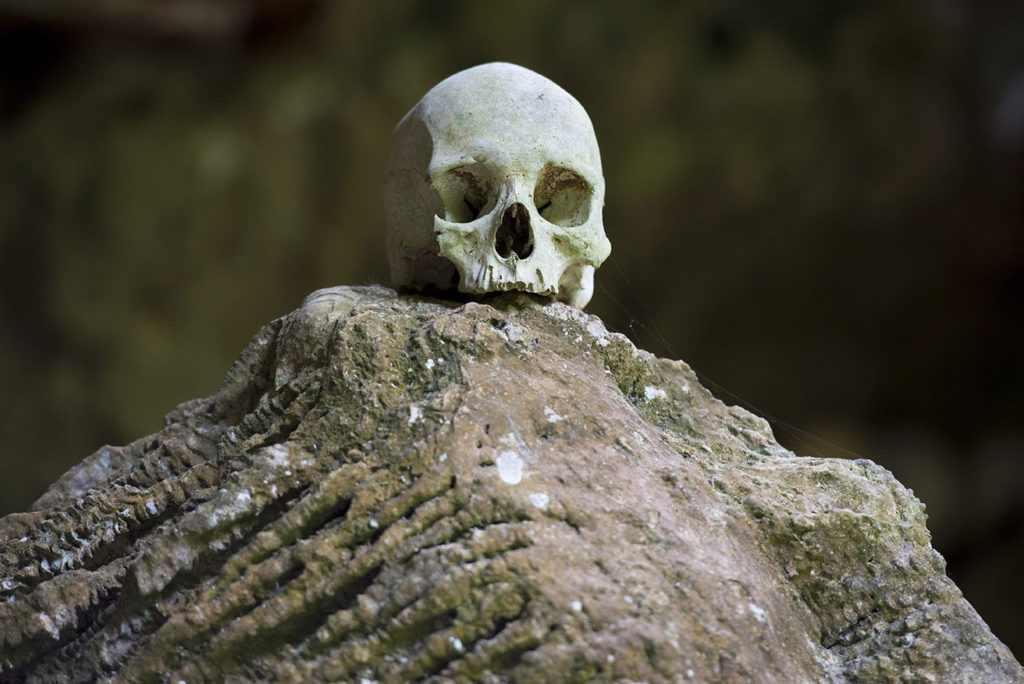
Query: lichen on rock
point(400, 488)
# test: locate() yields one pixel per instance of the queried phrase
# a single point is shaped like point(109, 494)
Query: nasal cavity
point(514, 235)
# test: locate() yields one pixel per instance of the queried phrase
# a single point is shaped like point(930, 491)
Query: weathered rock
point(397, 488)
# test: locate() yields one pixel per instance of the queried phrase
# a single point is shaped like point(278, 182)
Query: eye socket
point(467, 192)
point(562, 196)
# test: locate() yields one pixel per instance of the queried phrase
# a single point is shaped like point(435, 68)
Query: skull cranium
point(495, 184)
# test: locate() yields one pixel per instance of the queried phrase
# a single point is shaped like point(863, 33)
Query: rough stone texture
point(397, 488)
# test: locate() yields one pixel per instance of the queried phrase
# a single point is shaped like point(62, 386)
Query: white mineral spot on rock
point(456, 643)
point(415, 412)
point(510, 467)
point(551, 415)
point(689, 673)
point(277, 454)
point(557, 310)
point(686, 388)
point(652, 393)
point(243, 496)
point(442, 458)
point(429, 364)
point(576, 606)
point(373, 523)
point(49, 626)
point(628, 599)
point(539, 500)
point(598, 331)
point(151, 507)
point(517, 333)
point(758, 612)
point(611, 658)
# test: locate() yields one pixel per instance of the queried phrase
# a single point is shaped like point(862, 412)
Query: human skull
point(494, 184)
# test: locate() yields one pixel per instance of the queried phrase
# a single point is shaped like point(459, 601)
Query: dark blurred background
point(817, 205)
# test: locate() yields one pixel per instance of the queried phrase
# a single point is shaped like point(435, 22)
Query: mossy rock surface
point(397, 488)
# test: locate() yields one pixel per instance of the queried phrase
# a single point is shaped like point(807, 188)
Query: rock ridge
point(396, 488)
